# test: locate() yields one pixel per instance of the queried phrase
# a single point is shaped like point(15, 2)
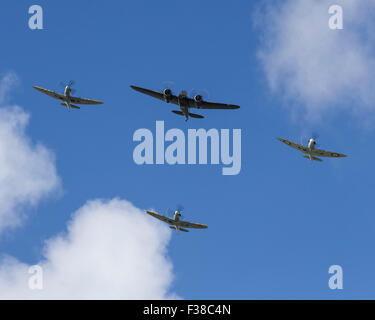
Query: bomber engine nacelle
point(167, 95)
point(198, 99)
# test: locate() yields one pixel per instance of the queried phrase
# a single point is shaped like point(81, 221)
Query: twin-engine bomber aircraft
point(185, 102)
point(176, 223)
point(310, 150)
point(67, 98)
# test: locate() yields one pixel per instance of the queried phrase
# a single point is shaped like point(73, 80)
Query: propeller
point(179, 208)
point(315, 135)
point(201, 92)
point(305, 140)
point(170, 213)
point(168, 85)
point(69, 84)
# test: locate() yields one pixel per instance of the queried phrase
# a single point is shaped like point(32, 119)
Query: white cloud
point(6, 84)
point(111, 250)
point(316, 69)
point(27, 170)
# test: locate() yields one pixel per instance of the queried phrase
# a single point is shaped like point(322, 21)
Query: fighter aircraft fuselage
point(67, 92)
point(66, 98)
point(311, 144)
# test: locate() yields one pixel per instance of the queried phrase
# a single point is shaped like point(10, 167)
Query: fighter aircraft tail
point(72, 105)
point(313, 158)
point(179, 229)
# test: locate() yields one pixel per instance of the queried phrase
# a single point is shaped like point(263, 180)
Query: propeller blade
point(202, 92)
point(170, 212)
point(168, 85)
point(67, 84)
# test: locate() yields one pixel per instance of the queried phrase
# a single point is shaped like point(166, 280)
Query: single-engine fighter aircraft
point(67, 99)
point(185, 102)
point(176, 223)
point(311, 152)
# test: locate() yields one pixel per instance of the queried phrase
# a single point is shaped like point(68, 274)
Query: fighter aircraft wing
point(155, 94)
point(186, 224)
point(160, 217)
point(84, 101)
point(294, 145)
point(323, 153)
point(210, 105)
point(50, 93)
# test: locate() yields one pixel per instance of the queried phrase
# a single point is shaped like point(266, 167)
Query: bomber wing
point(211, 105)
point(158, 95)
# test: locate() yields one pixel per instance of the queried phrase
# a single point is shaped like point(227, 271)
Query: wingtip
point(202, 226)
point(233, 106)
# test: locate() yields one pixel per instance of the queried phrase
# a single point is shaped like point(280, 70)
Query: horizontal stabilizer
point(72, 105)
point(313, 158)
point(197, 116)
point(193, 115)
point(179, 229)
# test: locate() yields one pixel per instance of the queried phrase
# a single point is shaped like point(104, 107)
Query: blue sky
point(275, 228)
